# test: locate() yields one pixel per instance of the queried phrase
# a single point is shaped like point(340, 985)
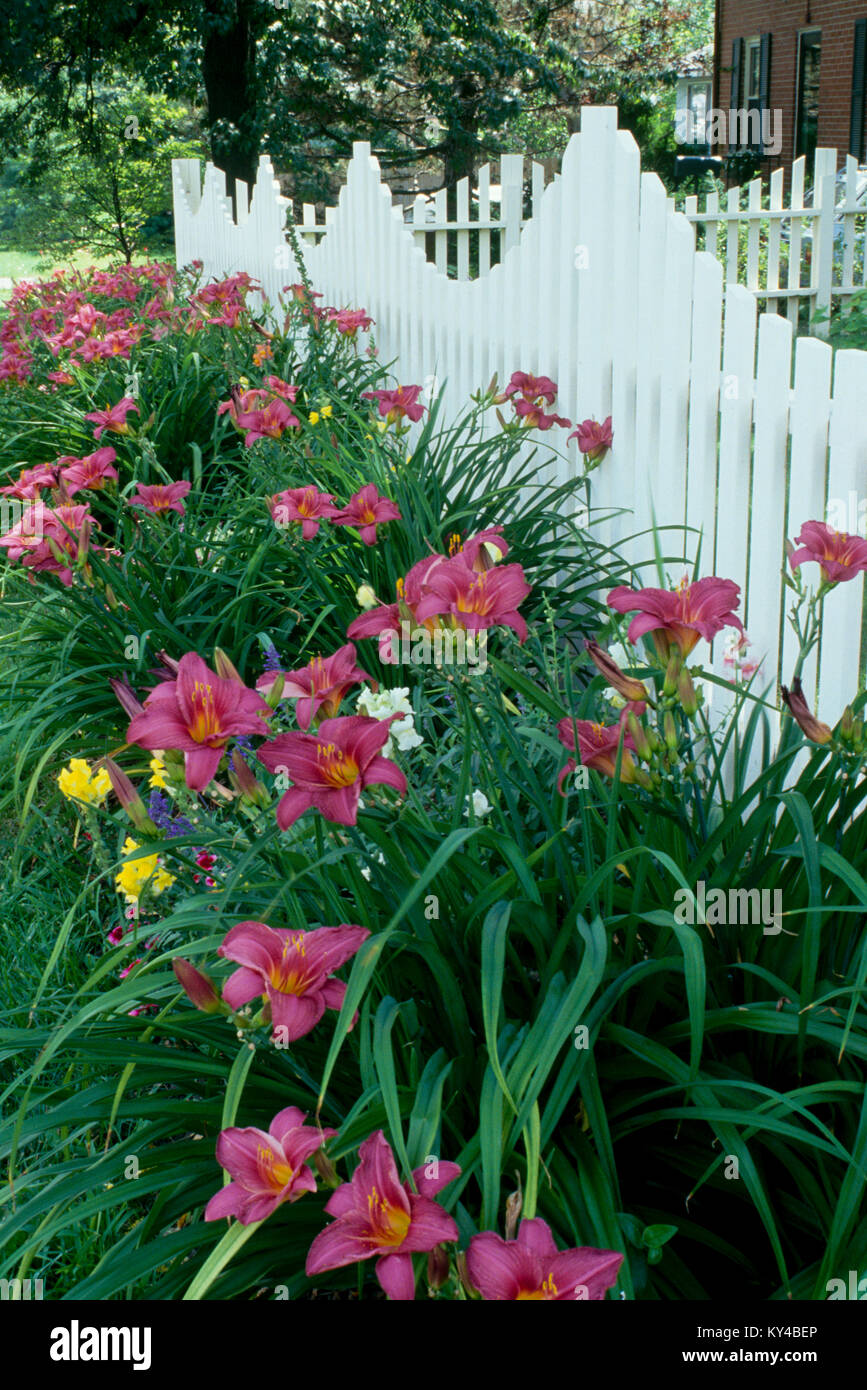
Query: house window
point(697, 102)
point(750, 97)
point(807, 110)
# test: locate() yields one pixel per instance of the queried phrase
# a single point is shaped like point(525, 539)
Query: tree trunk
point(229, 75)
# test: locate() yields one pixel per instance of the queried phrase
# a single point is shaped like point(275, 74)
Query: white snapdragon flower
point(378, 858)
point(384, 703)
point(480, 804)
point(365, 597)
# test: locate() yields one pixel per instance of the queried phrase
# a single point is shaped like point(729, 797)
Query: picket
point(808, 459)
point(603, 290)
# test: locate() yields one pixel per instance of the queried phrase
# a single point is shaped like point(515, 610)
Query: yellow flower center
point(475, 600)
point(286, 978)
point(205, 723)
point(337, 767)
point(389, 1224)
point(546, 1292)
point(276, 1173)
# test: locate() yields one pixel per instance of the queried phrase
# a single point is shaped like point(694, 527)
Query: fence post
point(824, 200)
point(512, 204)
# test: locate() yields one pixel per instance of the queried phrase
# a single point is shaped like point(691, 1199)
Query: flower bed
point(434, 933)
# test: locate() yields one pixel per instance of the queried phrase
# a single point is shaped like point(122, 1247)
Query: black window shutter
point(764, 79)
point(765, 73)
point(856, 110)
point(737, 65)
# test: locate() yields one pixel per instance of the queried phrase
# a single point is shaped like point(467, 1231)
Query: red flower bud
point(800, 712)
point(627, 686)
point(199, 989)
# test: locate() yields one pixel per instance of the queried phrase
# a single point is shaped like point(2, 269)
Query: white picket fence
point(487, 223)
point(605, 292)
point(807, 251)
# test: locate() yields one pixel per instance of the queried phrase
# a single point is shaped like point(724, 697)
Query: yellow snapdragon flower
point(131, 878)
point(78, 783)
point(158, 768)
point(313, 417)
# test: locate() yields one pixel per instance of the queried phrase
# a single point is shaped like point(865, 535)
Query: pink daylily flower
point(683, 615)
point(292, 969)
point(268, 423)
point(318, 686)
point(304, 504)
point(532, 1267)
point(157, 498)
point(385, 620)
point(394, 405)
point(533, 388)
point(113, 419)
point(287, 390)
point(840, 555)
point(197, 713)
point(50, 539)
point(475, 550)
point(366, 510)
point(348, 321)
point(31, 482)
point(89, 473)
point(377, 1215)
point(267, 1168)
point(331, 768)
point(597, 747)
point(533, 417)
point(475, 600)
point(594, 440)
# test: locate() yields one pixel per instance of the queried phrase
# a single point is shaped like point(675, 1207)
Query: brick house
point(805, 59)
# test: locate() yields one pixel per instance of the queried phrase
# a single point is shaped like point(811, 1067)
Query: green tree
point(109, 187)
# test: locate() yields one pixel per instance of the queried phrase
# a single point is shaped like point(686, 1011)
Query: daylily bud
point(126, 695)
point(686, 693)
point(273, 696)
point(639, 737)
point(243, 781)
point(438, 1266)
point(325, 1168)
point(128, 796)
point(654, 740)
point(224, 667)
point(672, 673)
point(800, 712)
point(168, 662)
point(847, 725)
point(669, 731)
point(197, 987)
point(514, 1203)
point(626, 686)
point(461, 1265)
